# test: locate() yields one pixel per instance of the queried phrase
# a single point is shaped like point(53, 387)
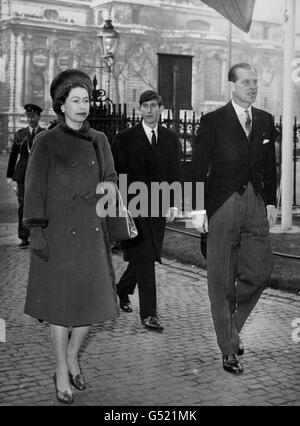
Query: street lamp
point(108, 39)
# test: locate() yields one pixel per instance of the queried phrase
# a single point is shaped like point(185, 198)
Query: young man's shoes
point(152, 323)
point(232, 364)
point(241, 350)
point(125, 304)
point(24, 243)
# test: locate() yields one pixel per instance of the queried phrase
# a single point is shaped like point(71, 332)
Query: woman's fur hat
point(65, 81)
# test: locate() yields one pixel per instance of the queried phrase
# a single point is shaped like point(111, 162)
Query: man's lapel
point(256, 125)
point(26, 140)
point(144, 142)
point(256, 131)
point(141, 137)
point(27, 131)
point(159, 136)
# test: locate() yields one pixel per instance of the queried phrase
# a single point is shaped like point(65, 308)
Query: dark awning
point(239, 12)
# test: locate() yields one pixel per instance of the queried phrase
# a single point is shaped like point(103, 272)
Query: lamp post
point(108, 39)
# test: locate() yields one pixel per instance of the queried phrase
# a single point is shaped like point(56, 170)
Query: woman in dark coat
point(71, 277)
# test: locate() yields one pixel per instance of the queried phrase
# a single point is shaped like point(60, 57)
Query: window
point(100, 18)
point(39, 40)
point(64, 43)
point(135, 14)
point(276, 33)
point(51, 14)
point(213, 79)
point(134, 92)
point(198, 25)
point(38, 90)
point(266, 30)
point(257, 31)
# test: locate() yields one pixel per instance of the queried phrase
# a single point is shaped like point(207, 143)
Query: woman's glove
point(103, 189)
point(106, 204)
point(109, 190)
point(38, 243)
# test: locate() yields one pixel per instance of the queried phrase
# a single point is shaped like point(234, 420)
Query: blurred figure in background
point(18, 160)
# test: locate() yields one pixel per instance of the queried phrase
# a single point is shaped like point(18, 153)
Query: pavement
point(127, 365)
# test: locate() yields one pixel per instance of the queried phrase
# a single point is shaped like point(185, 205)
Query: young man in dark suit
point(146, 153)
point(18, 160)
point(234, 154)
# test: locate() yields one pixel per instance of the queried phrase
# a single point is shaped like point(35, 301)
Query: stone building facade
point(39, 38)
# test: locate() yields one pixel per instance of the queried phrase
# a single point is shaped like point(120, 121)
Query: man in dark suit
point(146, 153)
point(234, 154)
point(18, 160)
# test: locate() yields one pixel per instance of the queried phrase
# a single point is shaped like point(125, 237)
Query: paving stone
point(124, 364)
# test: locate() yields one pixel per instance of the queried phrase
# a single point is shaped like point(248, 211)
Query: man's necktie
point(247, 123)
point(153, 139)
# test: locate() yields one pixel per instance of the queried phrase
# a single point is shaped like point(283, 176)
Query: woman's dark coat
point(75, 286)
point(141, 162)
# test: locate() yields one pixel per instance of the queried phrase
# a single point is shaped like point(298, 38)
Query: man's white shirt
point(148, 131)
point(240, 112)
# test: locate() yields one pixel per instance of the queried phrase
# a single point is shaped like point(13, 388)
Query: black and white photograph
point(150, 206)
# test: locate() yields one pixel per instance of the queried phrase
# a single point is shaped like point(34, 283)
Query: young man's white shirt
point(148, 131)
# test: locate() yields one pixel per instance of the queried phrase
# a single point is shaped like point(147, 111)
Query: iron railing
point(296, 156)
point(110, 119)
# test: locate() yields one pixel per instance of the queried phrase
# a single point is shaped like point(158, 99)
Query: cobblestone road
point(124, 364)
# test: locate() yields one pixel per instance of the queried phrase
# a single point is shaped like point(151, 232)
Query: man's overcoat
point(141, 162)
point(20, 151)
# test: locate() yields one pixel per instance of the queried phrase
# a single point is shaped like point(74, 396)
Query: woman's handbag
point(121, 226)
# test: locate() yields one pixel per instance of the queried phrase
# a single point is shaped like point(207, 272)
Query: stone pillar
point(79, 52)
point(225, 89)
point(20, 83)
point(27, 70)
point(77, 59)
point(52, 71)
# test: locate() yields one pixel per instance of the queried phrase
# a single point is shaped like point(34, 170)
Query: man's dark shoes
point(152, 323)
point(232, 364)
point(241, 349)
point(125, 304)
point(24, 243)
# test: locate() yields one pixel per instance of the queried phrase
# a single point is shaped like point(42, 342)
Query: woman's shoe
point(77, 381)
point(65, 397)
